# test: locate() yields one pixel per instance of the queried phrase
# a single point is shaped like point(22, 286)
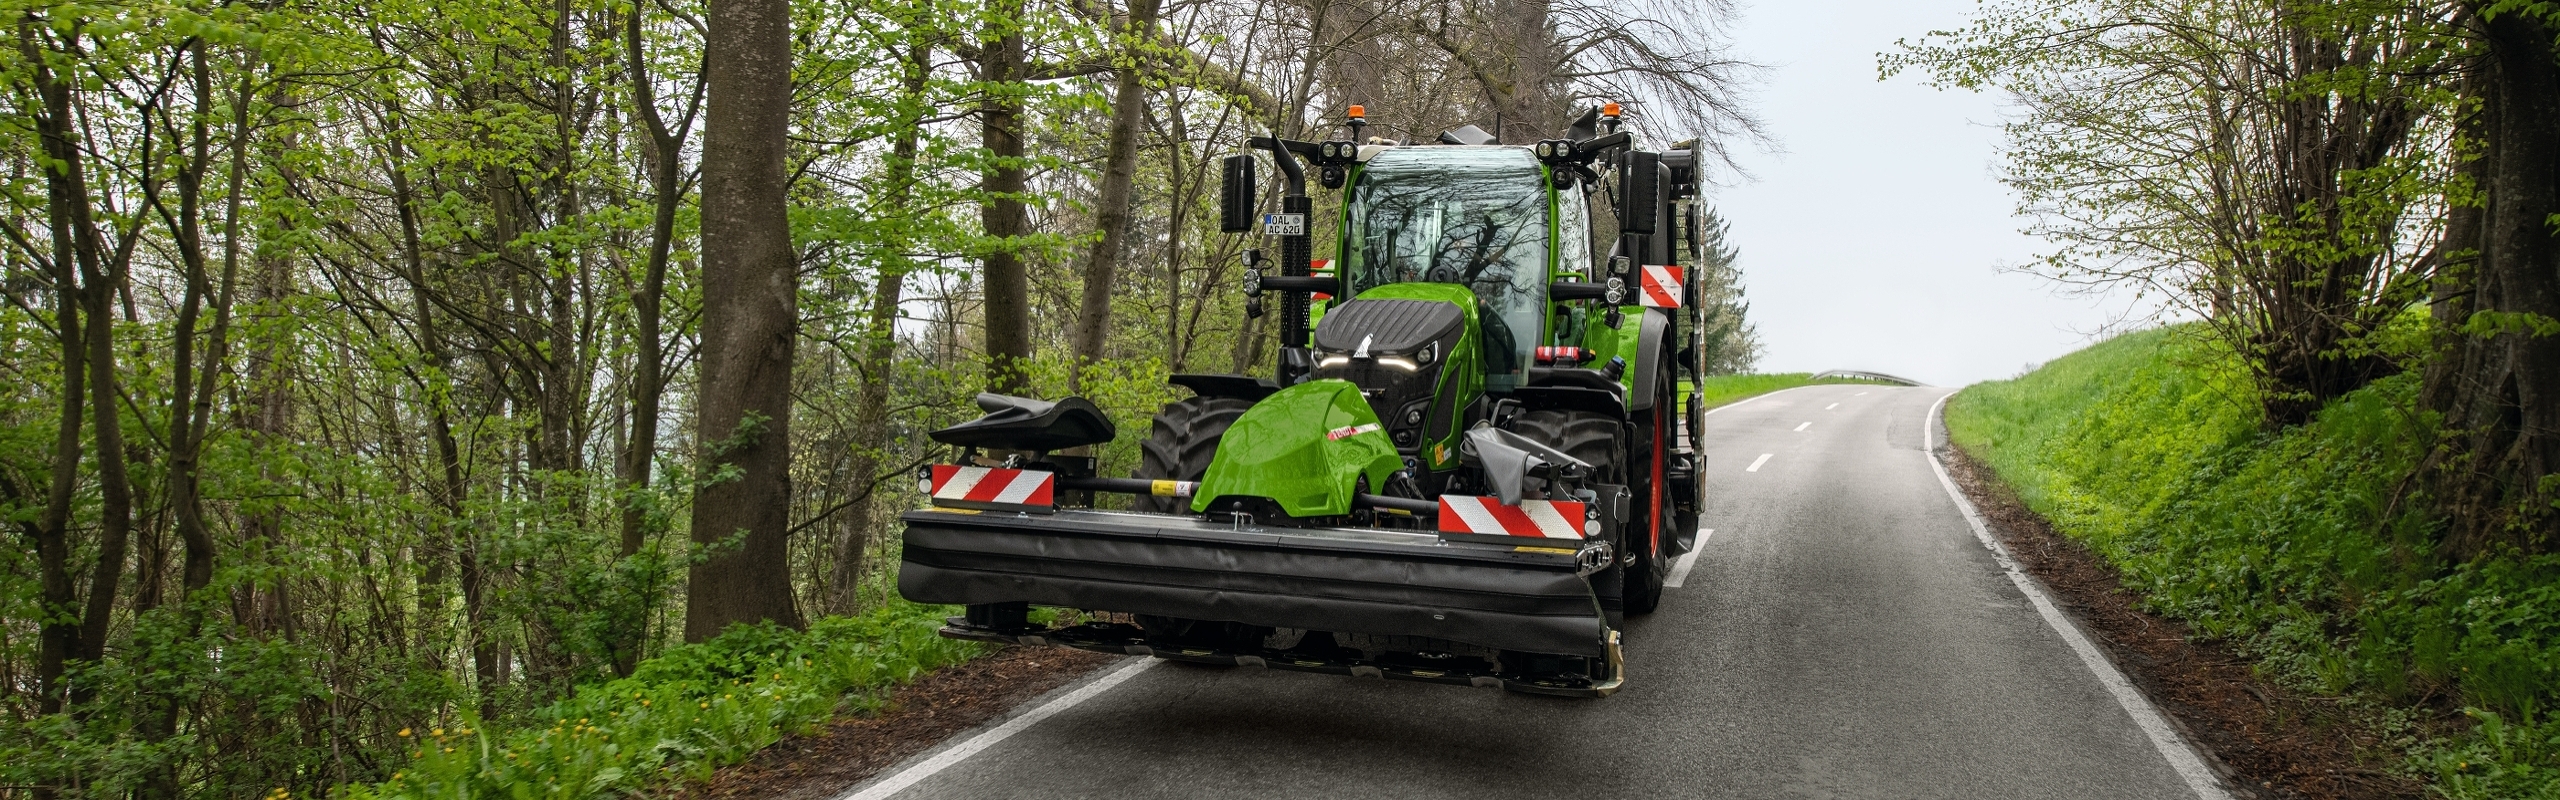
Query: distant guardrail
point(1860, 375)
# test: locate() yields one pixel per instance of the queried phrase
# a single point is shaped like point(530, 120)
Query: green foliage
point(2305, 546)
point(2278, 169)
point(683, 713)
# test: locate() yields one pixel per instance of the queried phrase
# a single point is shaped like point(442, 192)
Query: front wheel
point(1598, 440)
point(1181, 444)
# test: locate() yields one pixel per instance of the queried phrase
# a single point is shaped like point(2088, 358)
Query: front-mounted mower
point(1470, 472)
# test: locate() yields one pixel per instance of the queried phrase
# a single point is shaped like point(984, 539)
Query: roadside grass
point(682, 714)
point(2306, 547)
point(1723, 389)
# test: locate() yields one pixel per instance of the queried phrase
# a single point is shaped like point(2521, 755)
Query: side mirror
point(1236, 194)
point(1640, 190)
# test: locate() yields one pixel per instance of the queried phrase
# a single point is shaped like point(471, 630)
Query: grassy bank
point(1723, 389)
point(682, 714)
point(2306, 547)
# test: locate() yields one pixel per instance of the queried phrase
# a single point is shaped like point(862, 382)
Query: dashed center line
point(1832, 406)
point(1800, 428)
point(1860, 394)
point(1755, 463)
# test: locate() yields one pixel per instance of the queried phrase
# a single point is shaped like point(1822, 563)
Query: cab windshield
point(1468, 215)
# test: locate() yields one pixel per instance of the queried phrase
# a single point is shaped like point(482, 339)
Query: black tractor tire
point(1179, 447)
point(1645, 567)
point(1598, 440)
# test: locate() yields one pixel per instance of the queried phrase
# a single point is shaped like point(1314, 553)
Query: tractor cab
point(1477, 217)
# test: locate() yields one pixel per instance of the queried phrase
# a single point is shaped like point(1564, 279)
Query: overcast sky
point(1875, 238)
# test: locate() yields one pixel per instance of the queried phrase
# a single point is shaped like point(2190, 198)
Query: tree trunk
point(741, 513)
point(1111, 212)
point(449, 541)
point(1177, 201)
point(191, 396)
point(1006, 219)
point(100, 279)
point(60, 641)
point(664, 155)
point(266, 408)
point(2497, 382)
point(879, 348)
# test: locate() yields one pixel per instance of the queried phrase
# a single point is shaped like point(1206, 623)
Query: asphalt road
point(1842, 634)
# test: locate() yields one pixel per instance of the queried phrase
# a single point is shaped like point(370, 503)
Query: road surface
point(1841, 634)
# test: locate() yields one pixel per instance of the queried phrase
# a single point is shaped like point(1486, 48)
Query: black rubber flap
point(1021, 423)
point(1392, 327)
point(1237, 386)
point(1118, 563)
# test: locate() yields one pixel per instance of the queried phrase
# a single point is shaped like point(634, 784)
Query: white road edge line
point(1680, 570)
point(885, 787)
point(1800, 428)
point(1755, 463)
point(2180, 754)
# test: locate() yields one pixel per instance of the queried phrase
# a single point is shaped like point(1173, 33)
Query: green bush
point(683, 713)
point(2307, 547)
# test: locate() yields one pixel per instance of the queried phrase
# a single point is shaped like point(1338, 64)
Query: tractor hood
point(1304, 448)
point(1410, 331)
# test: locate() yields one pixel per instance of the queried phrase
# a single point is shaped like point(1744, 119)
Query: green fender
point(1304, 447)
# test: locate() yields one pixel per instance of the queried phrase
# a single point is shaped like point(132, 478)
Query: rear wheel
point(1595, 439)
point(1656, 513)
point(1179, 447)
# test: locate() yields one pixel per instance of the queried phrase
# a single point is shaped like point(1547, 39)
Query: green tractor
point(1469, 469)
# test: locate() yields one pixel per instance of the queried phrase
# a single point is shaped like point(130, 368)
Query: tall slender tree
point(1119, 171)
point(750, 316)
point(1002, 66)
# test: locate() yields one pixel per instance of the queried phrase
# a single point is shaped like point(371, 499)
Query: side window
point(1604, 219)
point(1573, 232)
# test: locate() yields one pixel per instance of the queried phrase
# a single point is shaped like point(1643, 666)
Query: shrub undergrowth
point(681, 714)
point(2309, 547)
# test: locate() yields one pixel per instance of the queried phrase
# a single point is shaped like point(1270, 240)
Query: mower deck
point(1526, 599)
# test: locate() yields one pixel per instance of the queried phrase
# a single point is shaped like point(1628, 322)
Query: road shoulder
point(2269, 740)
point(921, 715)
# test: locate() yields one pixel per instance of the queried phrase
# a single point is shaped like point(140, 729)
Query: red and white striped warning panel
point(1658, 285)
point(1543, 519)
point(993, 488)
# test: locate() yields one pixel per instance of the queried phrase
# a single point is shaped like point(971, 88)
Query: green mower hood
point(1305, 447)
